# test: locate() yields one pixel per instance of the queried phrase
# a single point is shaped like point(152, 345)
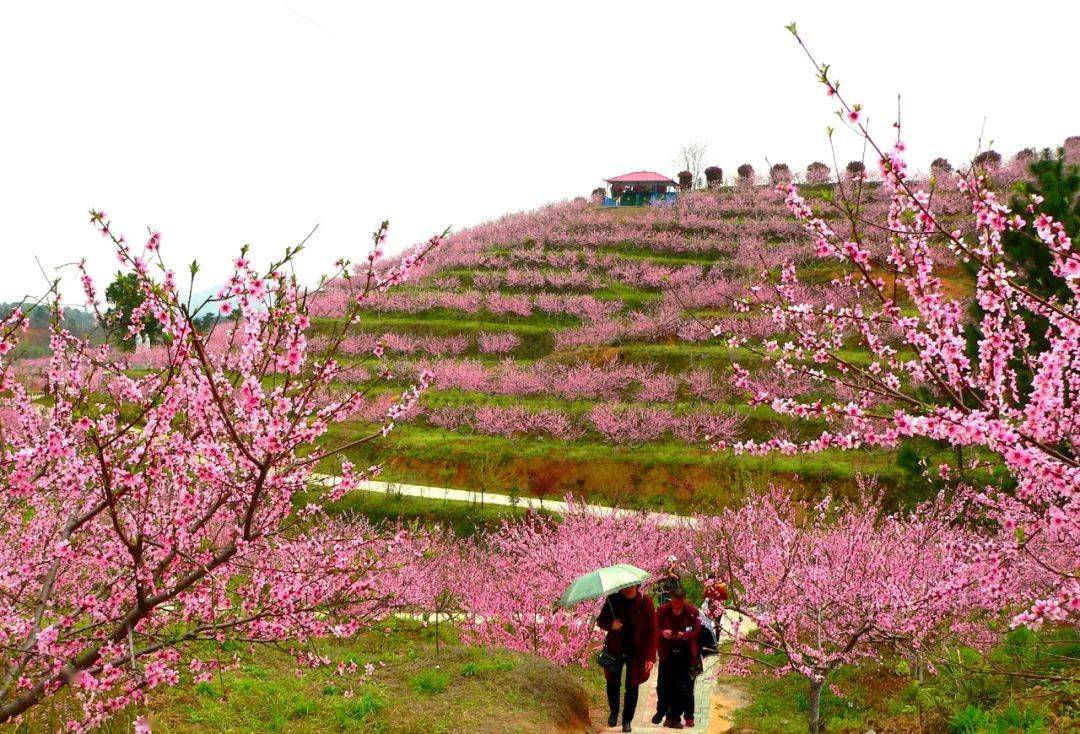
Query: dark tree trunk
point(813, 706)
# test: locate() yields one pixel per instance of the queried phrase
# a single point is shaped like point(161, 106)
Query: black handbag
point(697, 667)
point(706, 640)
point(608, 660)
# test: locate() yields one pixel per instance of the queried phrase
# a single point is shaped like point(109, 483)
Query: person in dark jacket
point(629, 618)
point(671, 579)
point(679, 625)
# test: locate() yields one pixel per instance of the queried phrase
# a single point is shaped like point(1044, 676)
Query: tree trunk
point(813, 706)
point(438, 649)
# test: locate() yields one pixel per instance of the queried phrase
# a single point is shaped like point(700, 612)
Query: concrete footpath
point(703, 688)
point(714, 704)
point(489, 498)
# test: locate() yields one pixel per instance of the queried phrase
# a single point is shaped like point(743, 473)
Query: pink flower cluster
point(472, 302)
point(621, 424)
point(577, 381)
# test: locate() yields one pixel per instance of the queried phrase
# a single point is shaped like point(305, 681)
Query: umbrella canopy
point(601, 582)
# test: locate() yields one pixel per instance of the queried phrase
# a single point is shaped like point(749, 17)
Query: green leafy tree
point(124, 296)
point(1057, 182)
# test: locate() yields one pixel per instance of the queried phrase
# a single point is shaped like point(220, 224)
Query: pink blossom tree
point(920, 378)
point(142, 513)
point(518, 572)
point(834, 584)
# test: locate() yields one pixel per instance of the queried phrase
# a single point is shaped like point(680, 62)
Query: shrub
point(818, 173)
point(968, 720)
point(598, 194)
point(686, 180)
point(471, 670)
point(746, 173)
point(431, 680)
point(714, 176)
point(357, 709)
point(1016, 719)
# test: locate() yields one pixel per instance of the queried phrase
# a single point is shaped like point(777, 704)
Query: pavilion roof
point(641, 177)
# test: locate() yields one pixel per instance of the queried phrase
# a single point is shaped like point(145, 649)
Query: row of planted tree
point(817, 173)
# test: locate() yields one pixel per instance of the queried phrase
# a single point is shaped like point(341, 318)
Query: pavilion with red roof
point(639, 188)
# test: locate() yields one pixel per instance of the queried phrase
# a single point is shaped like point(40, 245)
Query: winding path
point(488, 498)
point(714, 704)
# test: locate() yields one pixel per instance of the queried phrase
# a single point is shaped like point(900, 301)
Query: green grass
point(456, 323)
point(465, 518)
point(1020, 686)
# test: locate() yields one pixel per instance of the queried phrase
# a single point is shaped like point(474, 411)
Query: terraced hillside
point(573, 350)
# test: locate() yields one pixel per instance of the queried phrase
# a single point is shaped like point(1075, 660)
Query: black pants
point(613, 677)
point(675, 686)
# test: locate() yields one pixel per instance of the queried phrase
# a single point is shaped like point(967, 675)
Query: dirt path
point(726, 700)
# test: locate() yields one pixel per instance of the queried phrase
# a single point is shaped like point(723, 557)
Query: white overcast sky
point(222, 123)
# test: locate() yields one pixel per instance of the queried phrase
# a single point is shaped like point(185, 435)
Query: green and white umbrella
point(601, 582)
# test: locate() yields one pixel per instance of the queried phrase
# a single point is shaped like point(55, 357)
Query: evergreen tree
point(1058, 183)
point(124, 296)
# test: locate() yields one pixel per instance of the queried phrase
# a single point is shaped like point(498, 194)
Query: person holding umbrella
point(629, 619)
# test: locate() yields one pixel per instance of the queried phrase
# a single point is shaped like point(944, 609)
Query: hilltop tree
point(1072, 149)
point(714, 177)
point(818, 173)
point(940, 167)
point(855, 170)
point(745, 173)
point(988, 159)
point(686, 180)
point(1025, 157)
point(780, 173)
point(692, 158)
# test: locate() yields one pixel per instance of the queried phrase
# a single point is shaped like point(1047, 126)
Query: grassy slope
point(413, 690)
point(666, 473)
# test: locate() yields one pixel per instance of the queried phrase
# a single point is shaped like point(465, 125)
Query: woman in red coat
point(630, 621)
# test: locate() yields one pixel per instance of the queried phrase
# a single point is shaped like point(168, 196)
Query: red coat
point(642, 617)
point(685, 627)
